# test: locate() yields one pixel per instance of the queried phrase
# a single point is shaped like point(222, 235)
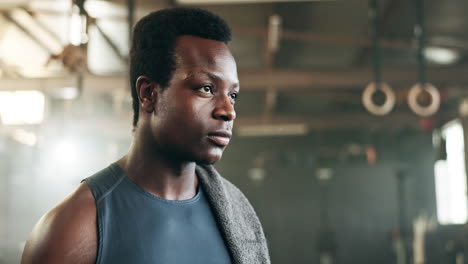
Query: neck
point(157, 173)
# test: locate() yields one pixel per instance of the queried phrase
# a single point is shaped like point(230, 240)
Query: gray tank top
point(136, 227)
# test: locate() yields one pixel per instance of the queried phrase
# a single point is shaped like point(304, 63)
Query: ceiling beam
point(28, 33)
point(347, 79)
point(43, 27)
point(344, 40)
point(110, 42)
point(289, 34)
point(107, 39)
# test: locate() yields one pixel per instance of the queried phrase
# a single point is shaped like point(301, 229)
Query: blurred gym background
point(338, 170)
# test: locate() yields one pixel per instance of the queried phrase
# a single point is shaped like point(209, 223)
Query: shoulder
point(67, 233)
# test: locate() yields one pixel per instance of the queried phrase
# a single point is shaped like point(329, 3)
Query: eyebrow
point(211, 75)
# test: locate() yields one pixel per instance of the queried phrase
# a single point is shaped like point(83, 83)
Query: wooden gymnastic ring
point(413, 99)
point(381, 110)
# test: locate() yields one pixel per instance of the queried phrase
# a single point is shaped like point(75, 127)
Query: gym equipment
point(373, 87)
point(422, 85)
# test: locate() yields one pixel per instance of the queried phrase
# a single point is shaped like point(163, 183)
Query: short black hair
point(154, 39)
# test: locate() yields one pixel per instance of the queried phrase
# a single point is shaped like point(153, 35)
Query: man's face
point(194, 116)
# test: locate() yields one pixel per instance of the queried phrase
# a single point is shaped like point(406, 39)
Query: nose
point(224, 109)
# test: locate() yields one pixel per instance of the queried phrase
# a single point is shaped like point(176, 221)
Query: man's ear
point(147, 93)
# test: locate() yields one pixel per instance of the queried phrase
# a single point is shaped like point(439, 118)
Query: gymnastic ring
point(413, 99)
point(384, 109)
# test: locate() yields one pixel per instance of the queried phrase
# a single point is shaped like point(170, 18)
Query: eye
point(234, 96)
point(206, 89)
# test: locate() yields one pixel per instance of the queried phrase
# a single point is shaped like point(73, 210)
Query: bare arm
point(67, 233)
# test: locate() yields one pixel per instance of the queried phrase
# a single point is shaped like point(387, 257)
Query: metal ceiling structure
point(323, 48)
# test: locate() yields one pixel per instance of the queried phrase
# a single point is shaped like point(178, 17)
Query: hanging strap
point(420, 34)
point(374, 15)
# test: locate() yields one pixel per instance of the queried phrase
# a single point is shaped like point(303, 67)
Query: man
point(163, 202)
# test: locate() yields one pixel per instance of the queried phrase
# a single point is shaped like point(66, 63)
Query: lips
point(220, 138)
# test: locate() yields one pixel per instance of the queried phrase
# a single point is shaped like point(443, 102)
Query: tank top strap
point(103, 182)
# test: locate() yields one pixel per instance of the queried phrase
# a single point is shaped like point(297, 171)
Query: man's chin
point(209, 159)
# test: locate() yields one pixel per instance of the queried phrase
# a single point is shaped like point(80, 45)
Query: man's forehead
point(196, 50)
point(205, 61)
point(215, 76)
point(204, 57)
